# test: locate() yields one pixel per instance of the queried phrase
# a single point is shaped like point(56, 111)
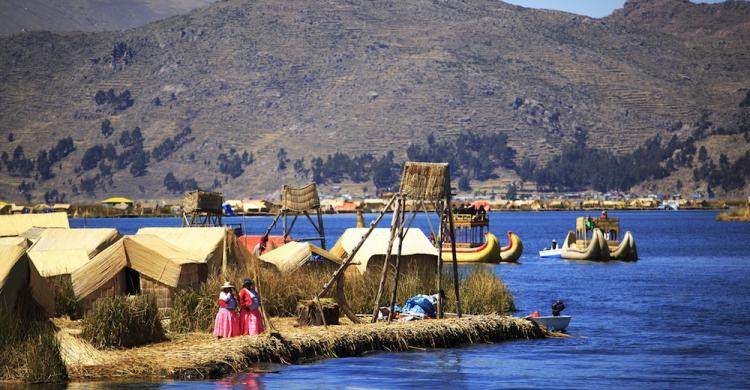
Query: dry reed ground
point(199, 355)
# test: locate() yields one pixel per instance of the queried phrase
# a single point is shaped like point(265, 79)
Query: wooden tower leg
point(401, 236)
point(395, 222)
point(452, 232)
point(321, 230)
point(439, 274)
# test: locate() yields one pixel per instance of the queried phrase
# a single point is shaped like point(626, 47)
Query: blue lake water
point(678, 317)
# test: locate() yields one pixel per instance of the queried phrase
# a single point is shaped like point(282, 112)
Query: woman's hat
point(227, 285)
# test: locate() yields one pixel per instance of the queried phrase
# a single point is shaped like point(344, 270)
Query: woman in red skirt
point(251, 321)
point(227, 324)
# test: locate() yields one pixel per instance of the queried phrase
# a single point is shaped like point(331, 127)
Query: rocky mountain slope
point(88, 15)
point(300, 79)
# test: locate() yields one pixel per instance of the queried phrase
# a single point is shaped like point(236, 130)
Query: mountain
point(88, 15)
point(225, 96)
point(687, 19)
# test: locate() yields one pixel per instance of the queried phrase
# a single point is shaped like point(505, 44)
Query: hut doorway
point(132, 281)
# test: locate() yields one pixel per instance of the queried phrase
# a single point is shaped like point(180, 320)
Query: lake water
point(678, 317)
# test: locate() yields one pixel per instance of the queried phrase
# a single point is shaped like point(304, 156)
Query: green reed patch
point(123, 321)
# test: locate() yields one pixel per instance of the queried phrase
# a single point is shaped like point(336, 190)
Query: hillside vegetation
point(242, 96)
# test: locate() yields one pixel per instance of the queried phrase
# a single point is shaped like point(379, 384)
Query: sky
point(594, 8)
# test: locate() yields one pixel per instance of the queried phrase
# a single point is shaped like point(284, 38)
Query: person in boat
point(557, 307)
point(471, 210)
point(251, 320)
point(589, 223)
point(260, 246)
point(226, 323)
point(554, 244)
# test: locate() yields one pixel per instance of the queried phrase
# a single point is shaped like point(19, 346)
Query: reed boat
point(598, 239)
point(476, 244)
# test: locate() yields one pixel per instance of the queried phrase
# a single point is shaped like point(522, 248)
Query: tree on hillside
point(702, 154)
point(171, 183)
point(385, 172)
point(464, 184)
point(106, 128)
point(282, 159)
point(91, 157)
point(44, 165)
point(139, 167)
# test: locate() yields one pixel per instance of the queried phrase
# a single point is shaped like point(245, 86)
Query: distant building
point(116, 201)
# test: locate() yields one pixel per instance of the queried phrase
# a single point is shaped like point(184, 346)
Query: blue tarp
point(419, 305)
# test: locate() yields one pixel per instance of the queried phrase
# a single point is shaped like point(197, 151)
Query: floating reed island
point(199, 355)
point(144, 305)
point(738, 214)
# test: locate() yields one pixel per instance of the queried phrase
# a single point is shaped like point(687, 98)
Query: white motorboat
point(557, 323)
point(551, 253)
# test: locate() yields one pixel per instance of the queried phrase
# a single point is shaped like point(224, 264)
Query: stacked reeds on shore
point(196, 356)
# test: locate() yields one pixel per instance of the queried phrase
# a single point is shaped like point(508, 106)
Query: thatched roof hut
point(15, 224)
point(163, 268)
point(62, 251)
point(103, 276)
point(138, 264)
point(160, 261)
point(417, 251)
point(295, 255)
point(17, 273)
point(211, 245)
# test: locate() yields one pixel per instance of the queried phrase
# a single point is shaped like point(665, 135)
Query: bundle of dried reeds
point(201, 356)
point(201, 201)
point(300, 199)
point(425, 181)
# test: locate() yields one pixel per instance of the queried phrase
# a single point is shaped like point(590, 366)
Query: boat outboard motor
point(557, 307)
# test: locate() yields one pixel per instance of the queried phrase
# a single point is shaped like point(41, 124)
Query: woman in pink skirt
point(251, 321)
point(227, 324)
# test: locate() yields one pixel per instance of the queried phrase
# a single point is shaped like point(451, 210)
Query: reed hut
point(15, 224)
point(159, 261)
point(256, 206)
point(104, 276)
point(163, 269)
point(296, 255)
point(18, 273)
point(417, 251)
point(62, 251)
point(218, 247)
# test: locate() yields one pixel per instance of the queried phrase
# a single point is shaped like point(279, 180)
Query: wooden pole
point(350, 257)
point(273, 224)
point(401, 235)
point(258, 284)
point(452, 232)
point(395, 222)
point(291, 226)
point(439, 276)
point(322, 229)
